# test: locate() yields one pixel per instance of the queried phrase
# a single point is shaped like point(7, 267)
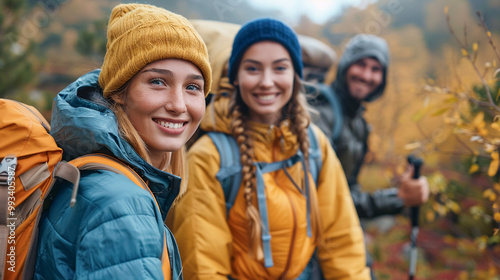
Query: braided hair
point(296, 113)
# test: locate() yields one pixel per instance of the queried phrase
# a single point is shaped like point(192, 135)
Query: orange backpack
point(30, 163)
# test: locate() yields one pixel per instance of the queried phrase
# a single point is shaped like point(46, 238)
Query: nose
point(365, 74)
point(267, 79)
point(175, 102)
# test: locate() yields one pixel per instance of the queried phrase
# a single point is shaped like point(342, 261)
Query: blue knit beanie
point(264, 29)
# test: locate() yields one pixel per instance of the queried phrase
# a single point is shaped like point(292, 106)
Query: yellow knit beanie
point(139, 34)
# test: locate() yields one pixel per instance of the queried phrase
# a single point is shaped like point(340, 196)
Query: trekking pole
point(414, 212)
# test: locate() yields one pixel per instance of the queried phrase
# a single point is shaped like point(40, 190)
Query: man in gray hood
point(361, 77)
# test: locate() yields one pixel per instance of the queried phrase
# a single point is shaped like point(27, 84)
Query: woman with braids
point(279, 219)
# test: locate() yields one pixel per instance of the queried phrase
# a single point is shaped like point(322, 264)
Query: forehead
point(267, 50)
point(369, 61)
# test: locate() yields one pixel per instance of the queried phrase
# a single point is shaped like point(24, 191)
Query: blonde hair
point(296, 111)
point(174, 162)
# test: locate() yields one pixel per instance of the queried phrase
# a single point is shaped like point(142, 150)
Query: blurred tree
point(92, 40)
point(15, 50)
point(473, 112)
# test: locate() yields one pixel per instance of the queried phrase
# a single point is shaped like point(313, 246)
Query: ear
point(119, 98)
point(235, 82)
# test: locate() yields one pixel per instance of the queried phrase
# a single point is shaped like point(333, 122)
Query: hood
point(361, 46)
point(216, 116)
point(82, 124)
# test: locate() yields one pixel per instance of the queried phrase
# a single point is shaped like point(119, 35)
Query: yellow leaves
point(497, 217)
point(496, 121)
point(438, 208)
point(465, 52)
point(490, 195)
point(453, 206)
point(478, 120)
point(446, 10)
point(473, 168)
point(479, 125)
point(437, 182)
point(451, 100)
point(475, 46)
point(448, 239)
point(440, 112)
point(430, 216)
point(494, 164)
point(419, 115)
point(488, 33)
point(463, 275)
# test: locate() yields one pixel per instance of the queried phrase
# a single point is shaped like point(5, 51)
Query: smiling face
point(364, 77)
point(165, 103)
point(265, 78)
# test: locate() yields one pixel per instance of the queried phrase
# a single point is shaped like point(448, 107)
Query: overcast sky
point(318, 11)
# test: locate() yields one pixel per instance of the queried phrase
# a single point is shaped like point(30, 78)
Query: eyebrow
point(171, 74)
point(274, 62)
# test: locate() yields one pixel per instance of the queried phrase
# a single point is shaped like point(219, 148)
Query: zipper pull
point(282, 143)
point(270, 130)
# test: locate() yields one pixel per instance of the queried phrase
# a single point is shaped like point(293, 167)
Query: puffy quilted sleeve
point(122, 238)
point(342, 250)
point(198, 219)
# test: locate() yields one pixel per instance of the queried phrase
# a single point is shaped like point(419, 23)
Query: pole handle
point(417, 164)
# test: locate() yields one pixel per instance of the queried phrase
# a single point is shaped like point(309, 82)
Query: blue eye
point(157, 81)
point(193, 87)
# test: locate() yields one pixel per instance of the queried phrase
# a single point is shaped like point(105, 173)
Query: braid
point(240, 133)
point(300, 119)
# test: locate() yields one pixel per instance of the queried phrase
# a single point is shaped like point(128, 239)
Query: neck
point(160, 161)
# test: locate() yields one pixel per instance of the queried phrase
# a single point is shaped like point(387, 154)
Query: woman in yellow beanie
point(267, 197)
point(140, 108)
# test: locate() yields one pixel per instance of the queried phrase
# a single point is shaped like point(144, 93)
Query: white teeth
point(265, 97)
point(171, 125)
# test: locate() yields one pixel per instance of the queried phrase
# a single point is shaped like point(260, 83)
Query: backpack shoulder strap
point(338, 120)
point(70, 171)
point(315, 160)
point(229, 174)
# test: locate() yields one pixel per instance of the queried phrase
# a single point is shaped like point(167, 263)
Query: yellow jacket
point(213, 246)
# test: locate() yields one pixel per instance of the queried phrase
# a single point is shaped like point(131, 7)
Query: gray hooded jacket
point(351, 143)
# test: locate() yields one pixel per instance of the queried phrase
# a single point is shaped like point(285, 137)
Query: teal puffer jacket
point(115, 230)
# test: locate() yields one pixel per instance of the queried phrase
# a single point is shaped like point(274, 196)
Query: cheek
point(286, 81)
point(247, 82)
point(378, 78)
point(196, 107)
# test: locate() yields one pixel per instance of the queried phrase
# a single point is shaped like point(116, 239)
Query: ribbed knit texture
point(264, 29)
point(140, 34)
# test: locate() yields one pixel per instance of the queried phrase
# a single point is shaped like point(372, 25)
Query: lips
point(170, 125)
point(266, 97)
